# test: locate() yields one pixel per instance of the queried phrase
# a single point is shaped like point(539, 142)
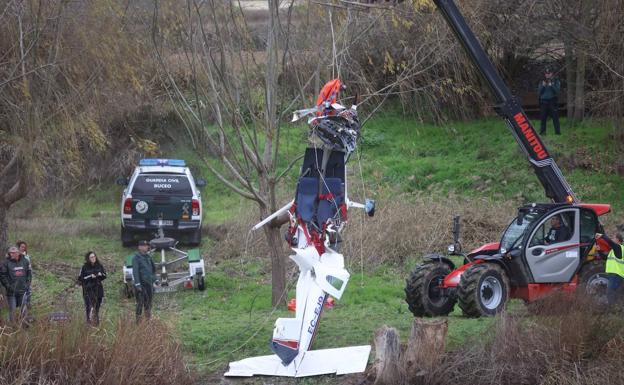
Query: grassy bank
point(420, 175)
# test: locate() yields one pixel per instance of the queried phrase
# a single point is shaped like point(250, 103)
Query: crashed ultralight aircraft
point(317, 216)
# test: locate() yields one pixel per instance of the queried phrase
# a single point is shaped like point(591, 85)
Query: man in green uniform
point(144, 274)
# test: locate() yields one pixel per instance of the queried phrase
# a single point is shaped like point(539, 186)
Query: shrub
point(572, 342)
point(73, 353)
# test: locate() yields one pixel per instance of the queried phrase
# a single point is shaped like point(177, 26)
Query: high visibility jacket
point(615, 265)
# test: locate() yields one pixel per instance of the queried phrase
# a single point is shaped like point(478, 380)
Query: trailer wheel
point(195, 237)
point(483, 290)
point(127, 238)
point(593, 281)
point(422, 292)
point(200, 283)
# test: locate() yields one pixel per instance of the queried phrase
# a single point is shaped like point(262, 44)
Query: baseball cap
point(13, 249)
point(143, 242)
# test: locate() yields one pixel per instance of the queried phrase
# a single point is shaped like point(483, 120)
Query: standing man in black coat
point(91, 276)
point(15, 276)
point(548, 92)
point(144, 274)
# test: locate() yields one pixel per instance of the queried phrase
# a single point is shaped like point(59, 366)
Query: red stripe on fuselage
point(291, 344)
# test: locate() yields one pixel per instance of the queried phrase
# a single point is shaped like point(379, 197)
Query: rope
point(359, 157)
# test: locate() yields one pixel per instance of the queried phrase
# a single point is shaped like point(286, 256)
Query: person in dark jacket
point(144, 275)
point(548, 93)
point(558, 231)
point(91, 276)
point(15, 276)
point(23, 248)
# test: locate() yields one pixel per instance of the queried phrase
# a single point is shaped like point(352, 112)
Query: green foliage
point(481, 159)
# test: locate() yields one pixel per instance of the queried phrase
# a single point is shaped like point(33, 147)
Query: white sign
point(141, 207)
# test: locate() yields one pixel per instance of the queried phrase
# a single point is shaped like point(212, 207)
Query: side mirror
point(200, 183)
point(515, 253)
point(369, 207)
point(454, 249)
point(122, 181)
point(519, 219)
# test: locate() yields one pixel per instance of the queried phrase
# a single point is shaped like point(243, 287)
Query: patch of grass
point(73, 353)
point(481, 159)
point(233, 319)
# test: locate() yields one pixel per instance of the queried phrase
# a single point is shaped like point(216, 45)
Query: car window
point(546, 234)
point(162, 184)
point(589, 226)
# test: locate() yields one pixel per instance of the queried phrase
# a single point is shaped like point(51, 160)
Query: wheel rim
point(596, 287)
point(434, 291)
point(491, 293)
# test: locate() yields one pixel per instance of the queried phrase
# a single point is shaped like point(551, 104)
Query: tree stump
point(387, 364)
point(425, 346)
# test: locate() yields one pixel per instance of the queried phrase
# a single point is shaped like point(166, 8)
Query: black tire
point(422, 295)
point(483, 290)
point(127, 238)
point(593, 281)
point(195, 237)
point(201, 284)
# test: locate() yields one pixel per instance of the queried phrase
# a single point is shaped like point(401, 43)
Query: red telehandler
point(546, 246)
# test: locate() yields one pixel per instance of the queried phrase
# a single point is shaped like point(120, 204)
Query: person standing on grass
point(548, 93)
point(614, 267)
point(91, 276)
point(15, 276)
point(23, 248)
point(144, 274)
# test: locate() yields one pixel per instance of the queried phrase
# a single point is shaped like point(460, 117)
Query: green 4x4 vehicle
point(161, 193)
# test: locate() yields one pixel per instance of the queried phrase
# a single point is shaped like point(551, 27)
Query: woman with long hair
point(91, 276)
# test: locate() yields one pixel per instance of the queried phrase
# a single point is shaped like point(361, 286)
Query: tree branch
point(288, 168)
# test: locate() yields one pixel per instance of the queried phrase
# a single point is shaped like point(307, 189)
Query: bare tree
point(21, 114)
point(60, 63)
point(234, 74)
point(230, 106)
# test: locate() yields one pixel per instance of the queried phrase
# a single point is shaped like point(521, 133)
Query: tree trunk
point(387, 364)
point(278, 266)
point(425, 347)
point(570, 64)
point(579, 97)
point(274, 241)
point(4, 227)
point(581, 27)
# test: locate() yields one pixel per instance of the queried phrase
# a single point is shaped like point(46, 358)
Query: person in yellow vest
point(615, 266)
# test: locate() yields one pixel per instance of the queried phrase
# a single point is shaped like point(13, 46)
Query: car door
point(555, 260)
point(589, 227)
